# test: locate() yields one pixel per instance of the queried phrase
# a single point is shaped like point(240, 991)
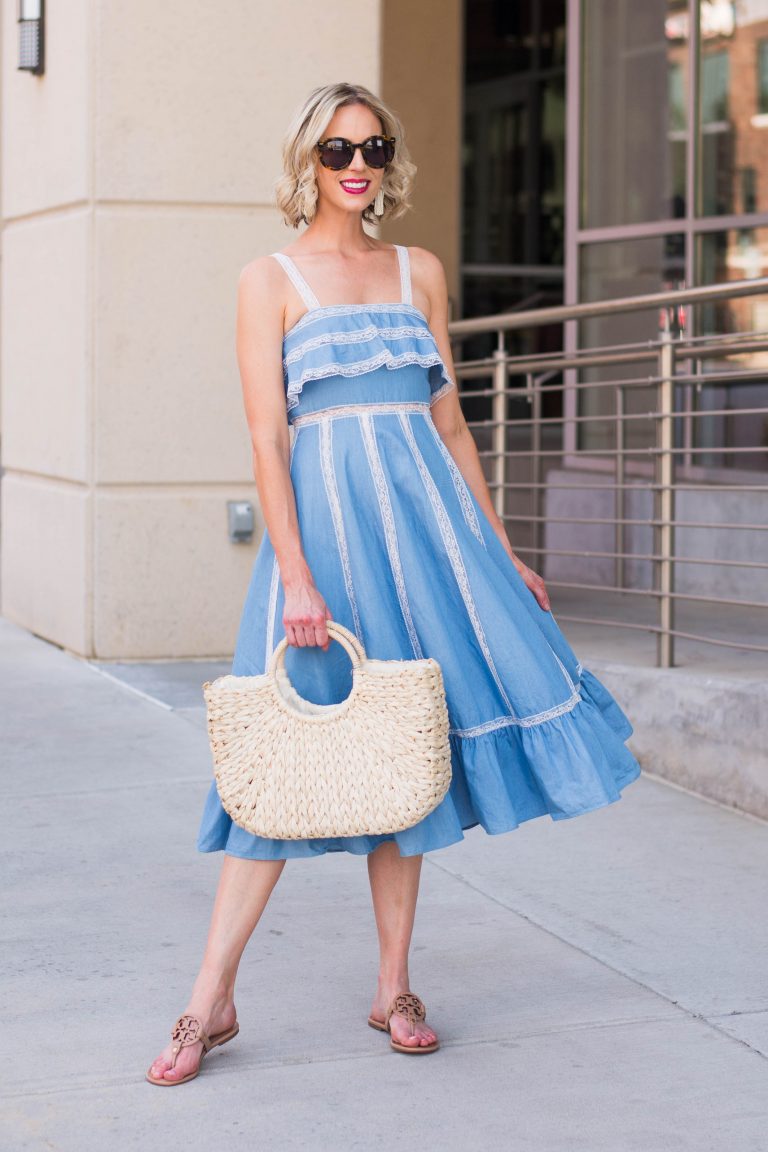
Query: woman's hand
point(305, 614)
point(532, 580)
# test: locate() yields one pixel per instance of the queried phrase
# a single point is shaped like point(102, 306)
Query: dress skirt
point(405, 557)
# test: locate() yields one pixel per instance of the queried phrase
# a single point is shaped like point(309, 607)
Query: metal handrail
point(536, 376)
point(561, 313)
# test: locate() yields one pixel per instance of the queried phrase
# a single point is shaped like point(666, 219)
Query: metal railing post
point(533, 395)
point(619, 498)
point(499, 418)
point(664, 498)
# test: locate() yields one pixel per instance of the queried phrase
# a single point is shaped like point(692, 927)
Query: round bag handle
point(336, 631)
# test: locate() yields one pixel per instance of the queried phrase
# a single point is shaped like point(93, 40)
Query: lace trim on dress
point(274, 583)
point(270, 637)
point(334, 503)
point(441, 391)
point(315, 315)
point(390, 531)
point(460, 484)
point(455, 557)
point(385, 358)
point(519, 721)
point(339, 411)
point(361, 336)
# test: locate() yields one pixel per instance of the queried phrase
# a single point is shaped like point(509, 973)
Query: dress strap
point(406, 293)
point(297, 280)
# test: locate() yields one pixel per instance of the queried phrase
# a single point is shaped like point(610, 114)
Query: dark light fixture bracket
point(32, 36)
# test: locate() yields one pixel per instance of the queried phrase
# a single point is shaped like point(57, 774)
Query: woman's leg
point(244, 889)
point(395, 889)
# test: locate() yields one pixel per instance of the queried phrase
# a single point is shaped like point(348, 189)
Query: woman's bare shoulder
point(427, 266)
point(260, 276)
point(426, 262)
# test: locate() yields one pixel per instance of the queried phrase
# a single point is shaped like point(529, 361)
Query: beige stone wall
point(136, 182)
point(45, 418)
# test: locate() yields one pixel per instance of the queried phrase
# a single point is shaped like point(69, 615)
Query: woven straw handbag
point(288, 768)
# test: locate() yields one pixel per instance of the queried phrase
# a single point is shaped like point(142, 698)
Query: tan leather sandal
point(407, 1004)
point(188, 1030)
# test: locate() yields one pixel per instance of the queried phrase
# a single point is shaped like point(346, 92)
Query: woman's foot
point(217, 1016)
point(399, 1026)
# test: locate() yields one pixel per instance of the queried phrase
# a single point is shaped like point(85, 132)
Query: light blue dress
point(405, 557)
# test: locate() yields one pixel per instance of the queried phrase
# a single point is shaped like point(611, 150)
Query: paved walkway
point(598, 984)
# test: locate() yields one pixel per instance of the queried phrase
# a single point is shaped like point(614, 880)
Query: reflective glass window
point(733, 102)
point(762, 77)
point(634, 116)
point(739, 254)
point(609, 270)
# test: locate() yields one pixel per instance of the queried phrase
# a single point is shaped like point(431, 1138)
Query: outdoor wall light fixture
point(240, 520)
point(31, 40)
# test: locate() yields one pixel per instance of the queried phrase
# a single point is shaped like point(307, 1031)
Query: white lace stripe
point(519, 721)
point(273, 584)
point(358, 336)
point(269, 646)
point(297, 280)
point(388, 521)
point(332, 493)
point(470, 516)
point(460, 484)
point(454, 555)
point(384, 408)
point(292, 450)
point(563, 669)
point(326, 311)
point(405, 273)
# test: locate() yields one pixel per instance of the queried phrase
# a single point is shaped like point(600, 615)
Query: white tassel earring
point(378, 204)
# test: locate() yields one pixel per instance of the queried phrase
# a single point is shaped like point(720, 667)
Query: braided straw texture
point(287, 768)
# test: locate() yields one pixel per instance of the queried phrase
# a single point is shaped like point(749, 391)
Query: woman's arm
point(449, 418)
point(259, 342)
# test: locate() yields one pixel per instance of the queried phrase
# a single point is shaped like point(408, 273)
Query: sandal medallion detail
point(408, 1005)
point(188, 1030)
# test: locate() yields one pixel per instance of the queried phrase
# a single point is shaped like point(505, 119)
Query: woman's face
point(353, 188)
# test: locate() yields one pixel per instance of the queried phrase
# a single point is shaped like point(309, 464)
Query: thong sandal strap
point(409, 1005)
point(188, 1030)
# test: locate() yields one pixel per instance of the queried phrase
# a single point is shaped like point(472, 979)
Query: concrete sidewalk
point(597, 984)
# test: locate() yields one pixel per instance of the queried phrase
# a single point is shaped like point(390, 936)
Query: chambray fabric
point(405, 557)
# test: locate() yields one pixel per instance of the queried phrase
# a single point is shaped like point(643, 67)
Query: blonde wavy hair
point(296, 189)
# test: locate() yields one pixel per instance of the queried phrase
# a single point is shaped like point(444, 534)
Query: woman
point(378, 516)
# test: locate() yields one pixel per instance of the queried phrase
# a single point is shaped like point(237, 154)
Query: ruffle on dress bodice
point(350, 340)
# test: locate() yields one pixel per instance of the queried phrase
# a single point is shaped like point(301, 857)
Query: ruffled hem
point(566, 766)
